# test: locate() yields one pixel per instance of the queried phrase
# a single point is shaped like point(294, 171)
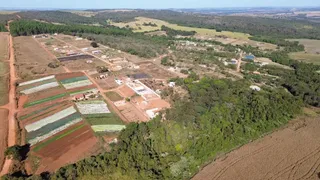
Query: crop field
point(51, 125)
point(76, 82)
point(3, 134)
point(290, 153)
point(107, 83)
point(114, 96)
point(201, 31)
point(105, 119)
point(31, 59)
point(74, 58)
point(4, 38)
point(93, 107)
point(306, 57)
point(108, 128)
point(68, 146)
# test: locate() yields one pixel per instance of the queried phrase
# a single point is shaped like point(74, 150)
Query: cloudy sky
point(151, 4)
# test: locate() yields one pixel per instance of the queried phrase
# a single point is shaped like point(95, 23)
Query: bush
point(53, 65)
point(94, 44)
point(102, 69)
point(14, 152)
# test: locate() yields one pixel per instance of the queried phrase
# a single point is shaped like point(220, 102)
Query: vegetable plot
point(108, 128)
point(36, 80)
point(40, 88)
point(50, 119)
point(76, 82)
point(93, 107)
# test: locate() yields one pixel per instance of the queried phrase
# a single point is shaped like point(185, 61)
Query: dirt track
point(11, 106)
point(288, 154)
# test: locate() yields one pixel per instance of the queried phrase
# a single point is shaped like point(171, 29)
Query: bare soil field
point(45, 94)
point(290, 153)
point(4, 49)
point(107, 83)
point(81, 65)
point(131, 113)
point(31, 59)
point(155, 71)
point(125, 91)
point(60, 77)
point(3, 134)
point(68, 149)
point(113, 96)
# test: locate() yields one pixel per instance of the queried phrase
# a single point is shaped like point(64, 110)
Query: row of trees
point(119, 38)
point(172, 32)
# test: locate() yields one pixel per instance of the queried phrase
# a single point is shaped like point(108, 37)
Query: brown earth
point(132, 114)
point(155, 71)
point(81, 88)
point(81, 64)
point(107, 83)
point(125, 91)
point(291, 153)
point(45, 94)
point(3, 134)
point(32, 59)
point(60, 77)
point(69, 149)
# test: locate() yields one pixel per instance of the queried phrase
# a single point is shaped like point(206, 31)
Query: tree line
point(172, 32)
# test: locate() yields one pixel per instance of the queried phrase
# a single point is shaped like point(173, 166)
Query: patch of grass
point(75, 79)
point(306, 57)
point(55, 138)
point(138, 27)
point(4, 67)
point(113, 96)
point(103, 119)
point(4, 98)
point(45, 100)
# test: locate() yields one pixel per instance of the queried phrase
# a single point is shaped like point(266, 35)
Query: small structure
point(152, 113)
point(56, 49)
point(233, 61)
point(89, 61)
point(255, 88)
point(78, 97)
point(119, 82)
point(249, 58)
point(172, 84)
point(79, 38)
point(85, 49)
point(96, 52)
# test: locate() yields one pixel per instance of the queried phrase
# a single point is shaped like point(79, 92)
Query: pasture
point(311, 53)
point(138, 27)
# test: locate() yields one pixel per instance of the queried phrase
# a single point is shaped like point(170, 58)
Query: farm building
point(255, 88)
point(233, 61)
point(96, 52)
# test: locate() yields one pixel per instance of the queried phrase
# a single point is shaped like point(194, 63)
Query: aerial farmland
point(70, 103)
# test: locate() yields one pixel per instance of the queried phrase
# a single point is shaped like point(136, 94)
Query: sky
point(151, 4)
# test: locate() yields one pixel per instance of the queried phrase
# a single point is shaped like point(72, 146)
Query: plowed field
point(288, 154)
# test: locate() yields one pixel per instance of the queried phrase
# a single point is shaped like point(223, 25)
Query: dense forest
point(283, 28)
point(122, 39)
point(217, 116)
point(60, 17)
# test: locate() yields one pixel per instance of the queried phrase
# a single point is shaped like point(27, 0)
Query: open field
point(312, 51)
point(4, 38)
point(306, 57)
point(201, 31)
point(113, 96)
point(3, 134)
point(32, 59)
point(290, 153)
point(4, 89)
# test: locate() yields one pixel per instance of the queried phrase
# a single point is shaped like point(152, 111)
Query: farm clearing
point(290, 153)
point(311, 53)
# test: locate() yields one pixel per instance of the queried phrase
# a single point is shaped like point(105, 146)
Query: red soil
point(68, 75)
point(45, 94)
point(81, 88)
point(67, 150)
point(125, 91)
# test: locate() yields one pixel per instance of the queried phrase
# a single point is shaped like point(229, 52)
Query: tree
point(94, 44)
point(14, 152)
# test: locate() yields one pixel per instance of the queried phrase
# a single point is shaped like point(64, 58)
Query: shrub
point(94, 44)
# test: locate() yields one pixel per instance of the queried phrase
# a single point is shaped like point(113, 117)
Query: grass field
point(114, 96)
point(201, 31)
point(4, 46)
point(312, 51)
point(4, 89)
point(306, 57)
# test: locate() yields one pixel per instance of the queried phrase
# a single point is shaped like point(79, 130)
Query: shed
point(249, 58)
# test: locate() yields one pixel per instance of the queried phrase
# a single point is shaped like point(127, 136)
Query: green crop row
point(55, 138)
point(37, 111)
point(75, 79)
point(97, 119)
point(45, 100)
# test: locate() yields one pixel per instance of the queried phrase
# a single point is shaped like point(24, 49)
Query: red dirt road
point(11, 106)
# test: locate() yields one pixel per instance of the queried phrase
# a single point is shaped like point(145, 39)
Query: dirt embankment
point(288, 154)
